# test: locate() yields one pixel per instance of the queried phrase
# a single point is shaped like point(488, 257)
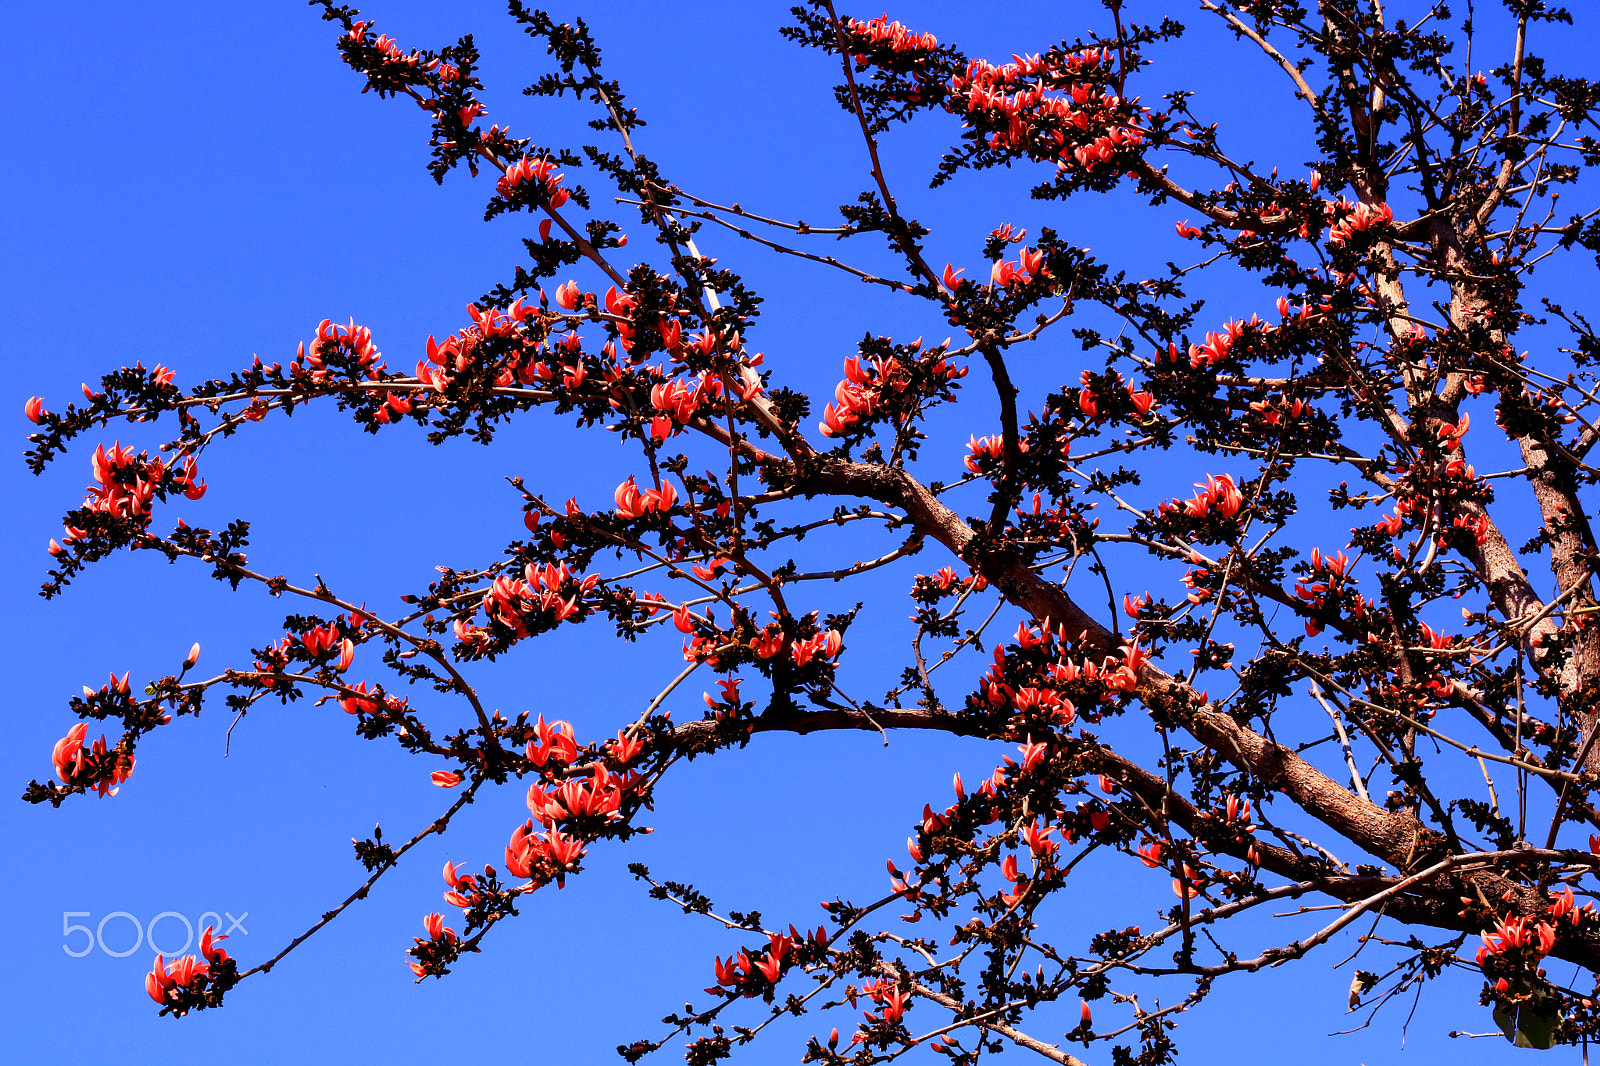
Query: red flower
point(67, 752)
point(208, 948)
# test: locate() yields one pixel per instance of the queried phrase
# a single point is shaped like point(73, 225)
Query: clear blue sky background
point(193, 184)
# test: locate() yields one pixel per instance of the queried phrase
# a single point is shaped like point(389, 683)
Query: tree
point(1378, 693)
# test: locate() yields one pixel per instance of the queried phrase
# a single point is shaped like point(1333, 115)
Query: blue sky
point(193, 187)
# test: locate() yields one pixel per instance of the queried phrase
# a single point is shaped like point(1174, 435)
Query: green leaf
point(1531, 1025)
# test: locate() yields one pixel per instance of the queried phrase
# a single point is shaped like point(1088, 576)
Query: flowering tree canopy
point(1305, 682)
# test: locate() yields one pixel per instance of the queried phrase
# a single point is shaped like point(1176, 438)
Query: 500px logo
point(144, 933)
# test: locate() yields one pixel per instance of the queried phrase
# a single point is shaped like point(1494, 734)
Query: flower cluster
point(543, 597)
point(577, 799)
point(632, 502)
point(891, 999)
point(533, 174)
point(385, 46)
point(126, 484)
point(1091, 399)
point(756, 975)
point(458, 354)
point(1513, 951)
point(432, 955)
point(990, 448)
point(931, 588)
point(99, 768)
point(1032, 679)
point(1217, 495)
point(729, 705)
point(662, 317)
point(1350, 219)
point(553, 744)
point(1273, 409)
point(348, 347)
point(880, 33)
point(680, 402)
point(542, 859)
point(822, 646)
point(1218, 345)
point(1049, 108)
point(1330, 582)
point(1030, 264)
point(467, 890)
point(184, 984)
point(857, 395)
point(1532, 931)
point(1418, 488)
